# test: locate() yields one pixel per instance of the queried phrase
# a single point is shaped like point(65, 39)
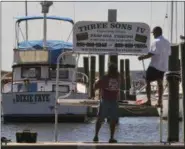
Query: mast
point(182, 37)
point(176, 19)
point(171, 36)
point(26, 14)
point(45, 9)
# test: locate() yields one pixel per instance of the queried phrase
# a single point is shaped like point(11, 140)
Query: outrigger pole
point(45, 9)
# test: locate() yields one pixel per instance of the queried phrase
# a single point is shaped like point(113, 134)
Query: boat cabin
point(34, 63)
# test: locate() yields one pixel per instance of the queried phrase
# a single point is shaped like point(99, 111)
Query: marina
point(46, 85)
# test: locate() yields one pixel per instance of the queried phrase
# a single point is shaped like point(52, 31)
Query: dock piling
point(173, 101)
point(183, 83)
point(122, 88)
point(127, 78)
point(86, 66)
point(92, 74)
point(112, 17)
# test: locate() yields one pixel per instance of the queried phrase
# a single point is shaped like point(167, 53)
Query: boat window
point(63, 74)
point(31, 72)
point(62, 88)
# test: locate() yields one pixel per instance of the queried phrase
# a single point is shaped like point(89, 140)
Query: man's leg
point(114, 115)
point(150, 76)
point(97, 129)
point(100, 118)
point(112, 129)
point(160, 91)
point(148, 92)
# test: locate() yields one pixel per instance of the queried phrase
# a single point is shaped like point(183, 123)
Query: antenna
point(74, 11)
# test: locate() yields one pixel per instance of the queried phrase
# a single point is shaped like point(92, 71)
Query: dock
point(90, 145)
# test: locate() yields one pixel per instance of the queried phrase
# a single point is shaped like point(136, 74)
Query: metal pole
point(26, 14)
point(176, 18)
point(45, 9)
point(171, 38)
point(45, 31)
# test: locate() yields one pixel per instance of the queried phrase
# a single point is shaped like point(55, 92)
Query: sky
point(152, 13)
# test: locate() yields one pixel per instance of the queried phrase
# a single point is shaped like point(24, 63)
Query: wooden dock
point(90, 145)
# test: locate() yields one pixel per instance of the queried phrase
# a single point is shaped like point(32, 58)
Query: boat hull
point(39, 107)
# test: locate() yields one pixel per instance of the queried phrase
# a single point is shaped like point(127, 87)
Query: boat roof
point(26, 18)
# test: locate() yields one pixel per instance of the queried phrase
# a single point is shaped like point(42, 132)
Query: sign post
point(112, 17)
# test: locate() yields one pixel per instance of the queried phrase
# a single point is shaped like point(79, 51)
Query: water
point(140, 129)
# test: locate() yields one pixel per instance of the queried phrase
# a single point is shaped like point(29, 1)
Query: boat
point(30, 95)
point(142, 98)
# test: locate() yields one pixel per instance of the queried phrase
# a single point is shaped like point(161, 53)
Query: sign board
point(111, 37)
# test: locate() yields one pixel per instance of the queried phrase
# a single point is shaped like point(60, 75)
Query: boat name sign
point(111, 37)
point(32, 98)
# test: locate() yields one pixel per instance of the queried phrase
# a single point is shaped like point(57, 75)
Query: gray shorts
point(108, 109)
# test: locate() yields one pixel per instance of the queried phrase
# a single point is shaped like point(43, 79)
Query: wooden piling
point(92, 74)
point(86, 66)
point(122, 88)
point(173, 104)
point(127, 78)
point(112, 17)
point(183, 81)
point(101, 68)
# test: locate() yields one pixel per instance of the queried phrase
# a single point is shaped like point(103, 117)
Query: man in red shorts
point(109, 86)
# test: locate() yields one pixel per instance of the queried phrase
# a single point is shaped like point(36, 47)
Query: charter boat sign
point(111, 37)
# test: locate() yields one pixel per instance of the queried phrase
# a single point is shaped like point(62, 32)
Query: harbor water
point(130, 129)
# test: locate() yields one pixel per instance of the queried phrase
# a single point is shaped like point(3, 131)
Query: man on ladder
point(159, 54)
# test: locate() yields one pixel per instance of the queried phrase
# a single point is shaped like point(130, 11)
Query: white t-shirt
point(161, 49)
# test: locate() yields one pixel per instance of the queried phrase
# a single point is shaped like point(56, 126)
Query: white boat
point(165, 98)
point(30, 96)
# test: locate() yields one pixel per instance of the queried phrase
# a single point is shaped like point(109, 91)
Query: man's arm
point(97, 85)
point(153, 50)
point(148, 55)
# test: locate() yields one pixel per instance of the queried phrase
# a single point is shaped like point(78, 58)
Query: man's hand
point(92, 98)
point(141, 57)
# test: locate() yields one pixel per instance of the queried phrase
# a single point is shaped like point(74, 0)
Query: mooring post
point(127, 78)
point(173, 78)
point(86, 66)
point(122, 88)
point(101, 68)
point(183, 83)
point(92, 74)
point(86, 71)
point(112, 17)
